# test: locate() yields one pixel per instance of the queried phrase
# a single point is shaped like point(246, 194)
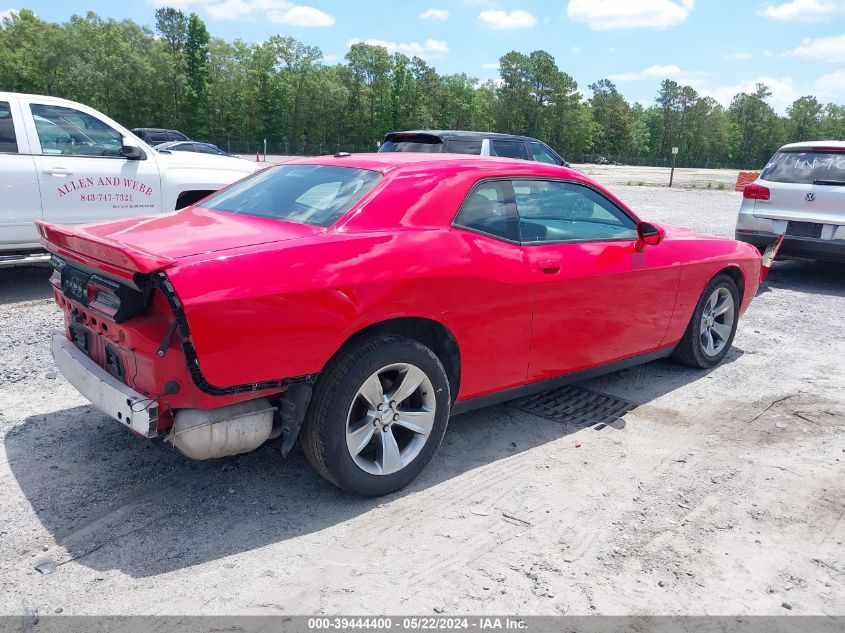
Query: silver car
point(800, 194)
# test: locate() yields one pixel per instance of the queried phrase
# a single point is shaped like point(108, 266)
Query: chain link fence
point(649, 161)
point(307, 148)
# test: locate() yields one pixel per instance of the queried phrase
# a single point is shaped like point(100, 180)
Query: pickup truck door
point(599, 295)
point(82, 173)
point(20, 202)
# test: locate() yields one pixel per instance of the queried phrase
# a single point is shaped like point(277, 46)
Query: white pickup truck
point(64, 162)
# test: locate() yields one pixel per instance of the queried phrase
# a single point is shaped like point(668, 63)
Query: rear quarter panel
point(284, 312)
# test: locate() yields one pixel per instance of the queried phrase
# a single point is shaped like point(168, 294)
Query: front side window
point(809, 167)
point(554, 211)
point(508, 149)
point(8, 140)
point(542, 154)
point(70, 132)
point(489, 209)
point(305, 194)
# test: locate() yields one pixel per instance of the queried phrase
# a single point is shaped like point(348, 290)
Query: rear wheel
point(378, 414)
point(711, 330)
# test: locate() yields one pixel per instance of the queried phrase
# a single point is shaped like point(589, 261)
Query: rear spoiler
point(110, 256)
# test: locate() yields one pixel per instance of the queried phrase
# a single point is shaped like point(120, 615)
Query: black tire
point(690, 350)
point(323, 434)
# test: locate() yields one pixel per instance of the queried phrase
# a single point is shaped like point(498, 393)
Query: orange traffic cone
point(256, 156)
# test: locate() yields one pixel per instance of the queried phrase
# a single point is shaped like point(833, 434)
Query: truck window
point(70, 132)
point(8, 141)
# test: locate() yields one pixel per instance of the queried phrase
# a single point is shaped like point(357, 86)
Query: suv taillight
point(755, 192)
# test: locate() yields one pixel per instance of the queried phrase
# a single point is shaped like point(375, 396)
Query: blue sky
point(720, 47)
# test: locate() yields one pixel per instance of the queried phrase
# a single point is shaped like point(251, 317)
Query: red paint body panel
point(266, 299)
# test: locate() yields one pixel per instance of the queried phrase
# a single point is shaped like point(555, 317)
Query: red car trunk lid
point(149, 243)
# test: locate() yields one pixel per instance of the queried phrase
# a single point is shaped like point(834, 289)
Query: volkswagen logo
point(810, 197)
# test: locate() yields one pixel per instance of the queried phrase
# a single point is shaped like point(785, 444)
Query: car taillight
point(756, 192)
point(103, 296)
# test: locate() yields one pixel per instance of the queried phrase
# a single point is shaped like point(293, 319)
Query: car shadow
point(808, 277)
point(113, 501)
point(25, 283)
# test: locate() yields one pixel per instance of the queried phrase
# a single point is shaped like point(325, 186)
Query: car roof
point(157, 129)
point(451, 134)
point(385, 162)
point(813, 145)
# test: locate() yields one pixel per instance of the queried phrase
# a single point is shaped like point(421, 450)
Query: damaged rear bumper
point(106, 392)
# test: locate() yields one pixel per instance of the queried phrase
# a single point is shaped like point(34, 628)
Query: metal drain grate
point(575, 407)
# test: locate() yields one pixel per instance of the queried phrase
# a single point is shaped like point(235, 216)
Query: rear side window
point(411, 143)
point(464, 146)
point(508, 149)
point(490, 209)
point(8, 141)
point(808, 167)
point(305, 194)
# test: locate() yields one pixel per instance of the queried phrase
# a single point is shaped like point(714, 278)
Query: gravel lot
point(721, 492)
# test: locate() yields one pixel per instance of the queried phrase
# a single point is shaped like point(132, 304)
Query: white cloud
point(826, 49)
point(7, 13)
point(693, 78)
point(575, 50)
point(430, 49)
point(498, 19)
point(277, 11)
point(491, 66)
point(609, 15)
point(437, 15)
point(783, 91)
point(767, 53)
point(803, 10)
point(830, 87)
point(301, 16)
point(737, 56)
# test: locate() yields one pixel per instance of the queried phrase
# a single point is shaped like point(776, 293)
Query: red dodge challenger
point(356, 302)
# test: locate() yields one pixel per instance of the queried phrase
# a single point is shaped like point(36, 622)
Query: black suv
point(475, 143)
point(157, 136)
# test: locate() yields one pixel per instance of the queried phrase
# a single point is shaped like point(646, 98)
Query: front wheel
point(711, 330)
point(378, 415)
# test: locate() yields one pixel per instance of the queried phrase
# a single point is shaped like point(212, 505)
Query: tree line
point(237, 94)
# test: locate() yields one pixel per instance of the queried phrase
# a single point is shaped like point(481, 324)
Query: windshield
point(806, 167)
point(305, 194)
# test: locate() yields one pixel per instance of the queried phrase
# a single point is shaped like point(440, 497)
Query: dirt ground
point(720, 492)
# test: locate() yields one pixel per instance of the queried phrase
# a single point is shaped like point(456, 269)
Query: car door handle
point(57, 171)
point(549, 266)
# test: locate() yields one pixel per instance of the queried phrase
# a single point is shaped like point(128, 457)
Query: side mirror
point(649, 234)
point(130, 150)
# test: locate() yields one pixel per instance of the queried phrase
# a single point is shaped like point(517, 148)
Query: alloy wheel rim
point(390, 419)
point(717, 321)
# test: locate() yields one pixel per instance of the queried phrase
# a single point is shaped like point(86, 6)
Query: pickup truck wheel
point(711, 330)
point(378, 415)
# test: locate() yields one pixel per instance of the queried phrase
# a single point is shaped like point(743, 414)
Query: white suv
point(800, 194)
point(64, 162)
